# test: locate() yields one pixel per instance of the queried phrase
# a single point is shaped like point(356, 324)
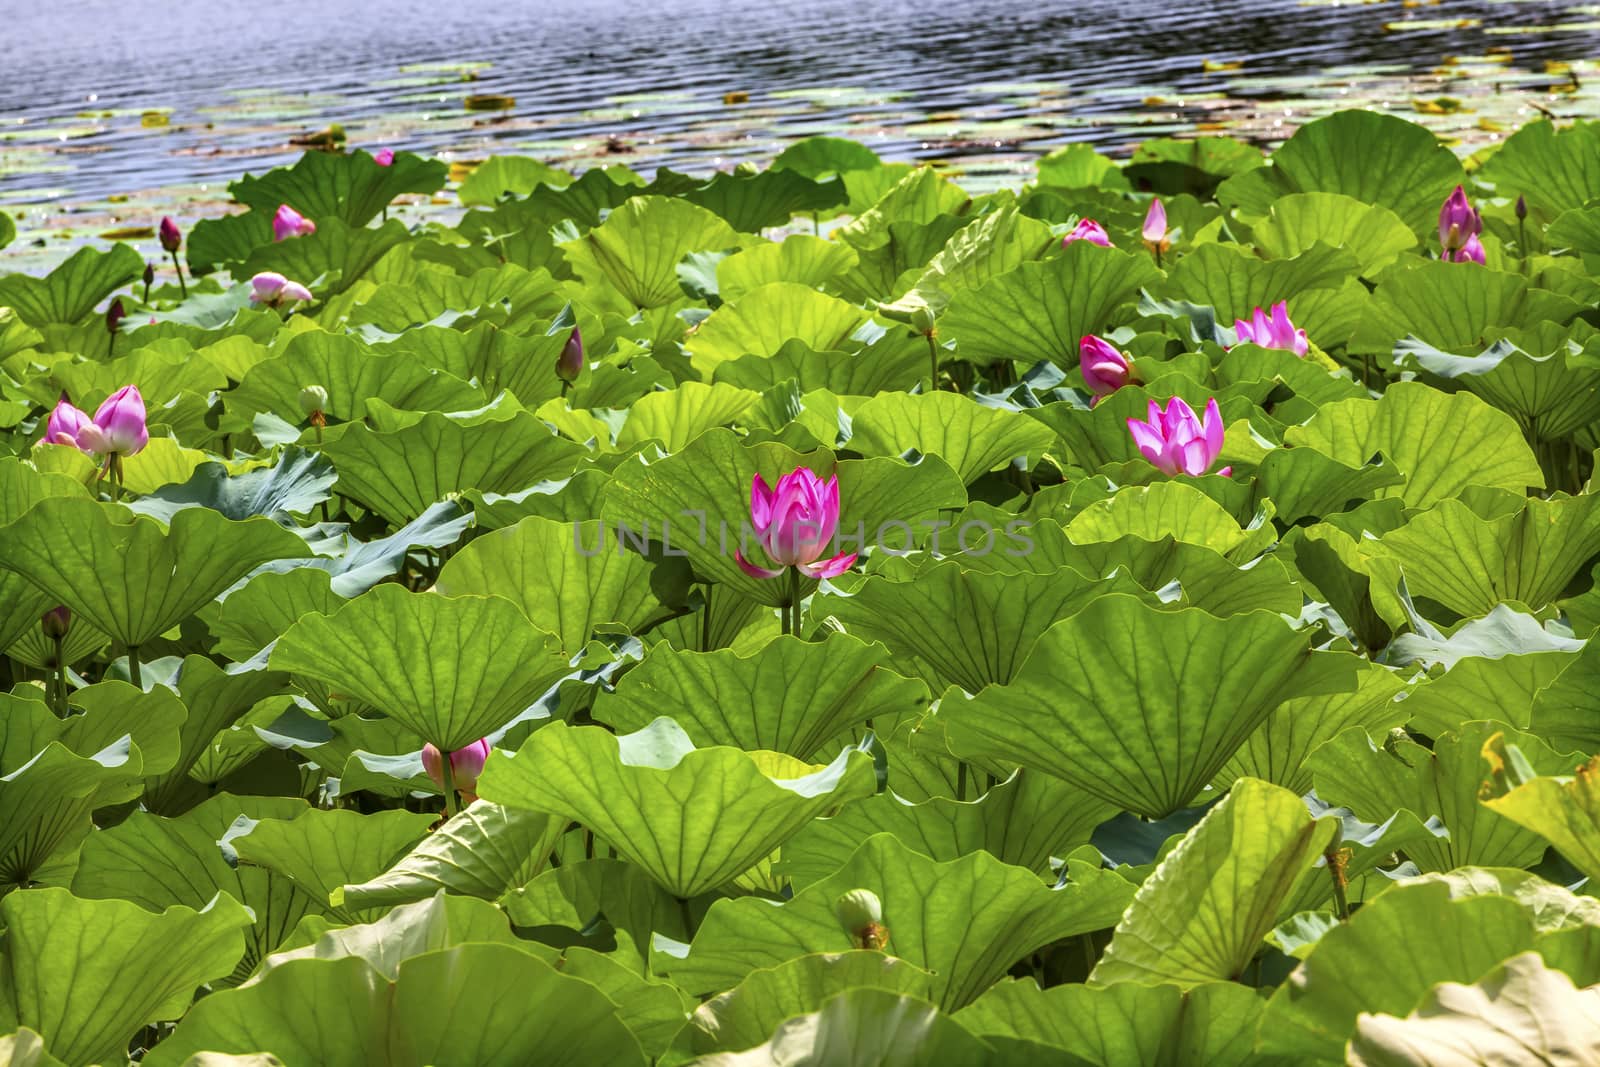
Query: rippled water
point(988, 82)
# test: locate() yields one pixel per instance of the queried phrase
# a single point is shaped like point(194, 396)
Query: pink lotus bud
point(149, 276)
point(115, 313)
point(1088, 230)
point(1155, 227)
point(118, 426)
point(465, 764)
point(171, 236)
point(1272, 331)
point(1522, 208)
point(1105, 369)
point(274, 290)
point(56, 622)
point(66, 422)
point(570, 362)
point(794, 522)
point(1177, 442)
point(1457, 222)
point(289, 223)
point(383, 157)
point(1471, 252)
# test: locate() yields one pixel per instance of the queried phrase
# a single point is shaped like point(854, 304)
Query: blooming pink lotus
point(118, 426)
point(1178, 442)
point(1471, 252)
point(274, 290)
point(384, 157)
point(1458, 224)
point(289, 223)
point(794, 523)
point(465, 764)
point(1105, 368)
point(1088, 230)
point(1272, 331)
point(1154, 231)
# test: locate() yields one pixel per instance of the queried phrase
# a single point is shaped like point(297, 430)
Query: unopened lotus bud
point(115, 314)
point(56, 622)
point(922, 319)
point(747, 168)
point(171, 237)
point(313, 398)
point(570, 362)
point(149, 275)
point(860, 912)
point(1522, 208)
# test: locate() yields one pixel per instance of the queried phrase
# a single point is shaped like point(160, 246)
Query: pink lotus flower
point(1272, 331)
point(118, 425)
point(794, 523)
point(66, 422)
point(384, 157)
point(171, 236)
point(569, 364)
point(465, 764)
point(1458, 223)
point(274, 290)
point(289, 223)
point(1155, 228)
point(1471, 252)
point(1176, 441)
point(1105, 368)
point(1088, 230)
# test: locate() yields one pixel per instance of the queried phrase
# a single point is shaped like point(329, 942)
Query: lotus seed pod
point(922, 320)
point(860, 912)
point(313, 398)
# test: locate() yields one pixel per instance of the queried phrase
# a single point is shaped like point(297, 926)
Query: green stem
point(133, 668)
point(705, 622)
point(795, 611)
point(1341, 905)
point(1522, 242)
point(1572, 464)
point(1087, 941)
point(452, 803)
point(61, 677)
point(183, 287)
point(688, 918)
point(933, 362)
point(961, 781)
point(588, 844)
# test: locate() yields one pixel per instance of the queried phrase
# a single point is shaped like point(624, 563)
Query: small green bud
point(860, 912)
point(922, 319)
point(746, 168)
point(313, 398)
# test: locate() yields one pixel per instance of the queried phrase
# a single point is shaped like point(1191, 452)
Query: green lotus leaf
point(1550, 907)
point(356, 566)
point(637, 249)
point(994, 245)
point(86, 974)
point(1551, 395)
point(677, 416)
point(578, 895)
point(693, 819)
point(25, 1048)
point(1505, 689)
point(961, 627)
point(1371, 157)
point(1456, 310)
point(352, 375)
point(1189, 164)
point(697, 502)
point(1041, 310)
point(130, 577)
point(789, 696)
point(522, 364)
point(400, 473)
point(965, 921)
point(747, 1014)
point(1385, 959)
point(918, 197)
point(8, 229)
point(866, 1026)
point(1023, 821)
point(70, 292)
point(753, 202)
point(21, 487)
point(972, 438)
point(1470, 564)
point(1201, 916)
point(891, 261)
point(821, 157)
point(463, 1005)
point(485, 851)
point(1373, 234)
point(1503, 632)
point(1166, 509)
point(319, 851)
point(161, 369)
point(507, 296)
point(36, 650)
point(1124, 1025)
point(1562, 809)
point(451, 669)
point(1556, 170)
point(160, 863)
point(764, 319)
point(352, 188)
point(227, 240)
point(1277, 752)
point(337, 253)
point(1234, 283)
point(1305, 483)
point(499, 177)
point(1563, 709)
point(298, 482)
point(799, 258)
point(255, 614)
point(1360, 586)
point(1442, 784)
point(884, 365)
point(1441, 442)
point(566, 578)
point(1091, 705)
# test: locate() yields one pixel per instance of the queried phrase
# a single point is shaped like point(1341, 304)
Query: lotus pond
point(815, 614)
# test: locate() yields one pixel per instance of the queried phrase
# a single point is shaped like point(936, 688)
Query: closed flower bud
point(860, 912)
point(922, 319)
point(171, 236)
point(1522, 207)
point(569, 364)
point(115, 313)
point(149, 275)
point(465, 764)
point(56, 622)
point(289, 223)
point(313, 398)
point(384, 157)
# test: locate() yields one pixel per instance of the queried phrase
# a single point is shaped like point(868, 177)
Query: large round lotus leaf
point(692, 818)
point(451, 669)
